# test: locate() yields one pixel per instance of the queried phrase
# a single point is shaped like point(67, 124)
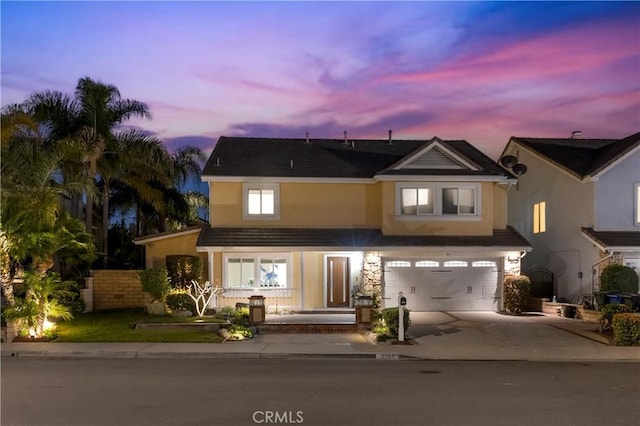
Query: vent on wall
point(434, 159)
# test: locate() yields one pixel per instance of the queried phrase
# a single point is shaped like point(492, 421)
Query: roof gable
point(582, 158)
point(435, 156)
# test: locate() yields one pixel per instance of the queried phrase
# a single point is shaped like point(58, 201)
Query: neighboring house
point(579, 205)
point(307, 223)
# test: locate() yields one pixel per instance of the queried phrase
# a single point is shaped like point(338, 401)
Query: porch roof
point(614, 240)
point(352, 238)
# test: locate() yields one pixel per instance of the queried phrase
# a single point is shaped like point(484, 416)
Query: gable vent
point(434, 159)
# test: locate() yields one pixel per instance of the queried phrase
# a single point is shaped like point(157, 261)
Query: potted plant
point(155, 282)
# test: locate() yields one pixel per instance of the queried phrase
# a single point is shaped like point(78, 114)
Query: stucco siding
point(615, 199)
point(569, 206)
point(156, 251)
point(302, 205)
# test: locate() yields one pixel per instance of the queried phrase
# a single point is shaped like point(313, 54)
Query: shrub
point(608, 311)
point(180, 302)
point(626, 329)
point(516, 293)
point(182, 269)
point(391, 319)
point(619, 278)
point(156, 283)
point(240, 332)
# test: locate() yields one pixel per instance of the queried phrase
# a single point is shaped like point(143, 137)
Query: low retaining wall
point(587, 315)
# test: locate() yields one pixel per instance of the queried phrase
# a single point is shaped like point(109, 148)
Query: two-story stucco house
point(305, 222)
point(579, 206)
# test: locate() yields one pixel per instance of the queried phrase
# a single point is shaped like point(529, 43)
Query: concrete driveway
point(489, 335)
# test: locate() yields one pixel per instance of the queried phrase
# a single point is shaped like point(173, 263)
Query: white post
point(400, 317)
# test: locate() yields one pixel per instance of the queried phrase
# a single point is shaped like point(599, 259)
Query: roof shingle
point(328, 158)
point(349, 238)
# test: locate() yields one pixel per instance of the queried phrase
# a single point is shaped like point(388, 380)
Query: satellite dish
point(519, 169)
point(508, 161)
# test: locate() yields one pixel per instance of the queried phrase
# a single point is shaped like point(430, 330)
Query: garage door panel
point(445, 288)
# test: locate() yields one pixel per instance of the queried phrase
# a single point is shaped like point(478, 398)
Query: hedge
point(626, 329)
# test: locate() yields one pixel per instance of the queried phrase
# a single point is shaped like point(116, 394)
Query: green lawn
point(118, 326)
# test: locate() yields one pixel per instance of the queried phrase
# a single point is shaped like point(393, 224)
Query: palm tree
point(33, 225)
point(89, 119)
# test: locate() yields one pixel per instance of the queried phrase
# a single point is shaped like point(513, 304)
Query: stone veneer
point(372, 276)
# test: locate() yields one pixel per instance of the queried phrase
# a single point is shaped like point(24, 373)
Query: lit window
point(539, 218)
point(637, 184)
point(455, 264)
point(273, 272)
point(398, 264)
point(241, 272)
point(261, 201)
point(483, 264)
point(424, 201)
point(417, 201)
point(427, 264)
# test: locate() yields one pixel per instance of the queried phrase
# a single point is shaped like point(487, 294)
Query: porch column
point(372, 277)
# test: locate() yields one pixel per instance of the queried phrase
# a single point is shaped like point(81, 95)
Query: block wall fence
point(117, 289)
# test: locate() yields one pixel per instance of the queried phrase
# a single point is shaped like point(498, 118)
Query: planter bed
point(199, 326)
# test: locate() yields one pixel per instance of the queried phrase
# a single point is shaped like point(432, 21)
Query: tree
point(33, 226)
point(89, 119)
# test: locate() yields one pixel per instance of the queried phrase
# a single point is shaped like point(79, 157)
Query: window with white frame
point(427, 264)
point(431, 201)
point(539, 217)
point(455, 264)
point(272, 271)
point(458, 201)
point(398, 264)
point(261, 200)
point(483, 264)
point(417, 201)
point(637, 195)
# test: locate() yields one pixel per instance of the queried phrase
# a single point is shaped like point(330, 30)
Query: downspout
point(301, 280)
point(214, 299)
point(593, 269)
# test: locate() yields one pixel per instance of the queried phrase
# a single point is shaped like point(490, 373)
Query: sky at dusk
point(480, 71)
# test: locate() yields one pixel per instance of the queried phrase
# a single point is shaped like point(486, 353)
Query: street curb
point(205, 355)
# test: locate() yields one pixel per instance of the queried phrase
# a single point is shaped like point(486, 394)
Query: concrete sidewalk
point(434, 336)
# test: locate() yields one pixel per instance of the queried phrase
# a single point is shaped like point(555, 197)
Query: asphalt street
point(44, 391)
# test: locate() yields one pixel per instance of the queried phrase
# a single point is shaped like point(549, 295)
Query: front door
point(338, 282)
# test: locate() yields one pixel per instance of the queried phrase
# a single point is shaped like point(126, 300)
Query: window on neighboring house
point(539, 218)
point(272, 270)
point(261, 201)
point(430, 201)
point(637, 191)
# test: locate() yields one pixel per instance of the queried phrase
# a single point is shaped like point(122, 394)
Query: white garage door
point(439, 285)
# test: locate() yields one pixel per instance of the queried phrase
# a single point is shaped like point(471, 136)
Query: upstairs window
point(434, 201)
point(539, 217)
point(261, 201)
point(458, 201)
point(417, 201)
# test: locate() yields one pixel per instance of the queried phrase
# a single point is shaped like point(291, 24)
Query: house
point(308, 223)
point(579, 205)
